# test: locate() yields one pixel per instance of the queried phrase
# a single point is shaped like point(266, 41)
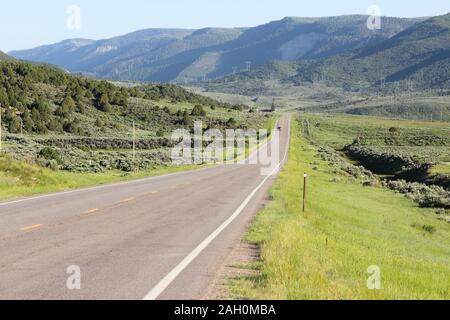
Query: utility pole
point(0, 128)
point(248, 65)
point(134, 145)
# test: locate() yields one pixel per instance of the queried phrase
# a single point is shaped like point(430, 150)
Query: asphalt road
point(157, 238)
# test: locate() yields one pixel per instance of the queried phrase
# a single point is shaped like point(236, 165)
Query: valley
point(346, 198)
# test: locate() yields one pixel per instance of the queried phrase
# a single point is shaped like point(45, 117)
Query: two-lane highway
point(155, 238)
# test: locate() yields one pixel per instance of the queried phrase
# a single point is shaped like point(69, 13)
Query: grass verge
point(20, 179)
point(325, 252)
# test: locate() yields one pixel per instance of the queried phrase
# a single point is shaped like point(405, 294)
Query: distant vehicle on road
point(279, 128)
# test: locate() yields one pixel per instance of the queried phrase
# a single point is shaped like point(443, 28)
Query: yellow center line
point(153, 192)
point(127, 200)
point(90, 211)
point(29, 228)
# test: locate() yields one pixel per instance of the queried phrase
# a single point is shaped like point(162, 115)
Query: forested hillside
point(58, 120)
point(45, 100)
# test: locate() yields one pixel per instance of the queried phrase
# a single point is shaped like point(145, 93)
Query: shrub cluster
point(426, 196)
point(383, 162)
point(336, 161)
point(88, 143)
point(73, 158)
point(403, 137)
point(79, 161)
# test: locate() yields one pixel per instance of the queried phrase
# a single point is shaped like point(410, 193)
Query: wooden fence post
point(305, 177)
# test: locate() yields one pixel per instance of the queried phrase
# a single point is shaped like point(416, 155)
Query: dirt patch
point(242, 254)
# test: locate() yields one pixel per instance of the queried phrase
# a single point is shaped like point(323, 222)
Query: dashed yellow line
point(91, 211)
point(30, 228)
point(127, 200)
point(153, 192)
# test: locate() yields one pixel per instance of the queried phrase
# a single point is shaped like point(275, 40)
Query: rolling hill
point(414, 59)
point(57, 120)
point(164, 55)
point(419, 57)
point(4, 56)
point(41, 100)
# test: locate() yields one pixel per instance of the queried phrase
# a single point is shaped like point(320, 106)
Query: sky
point(26, 24)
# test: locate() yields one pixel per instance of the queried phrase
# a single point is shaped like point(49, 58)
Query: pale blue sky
point(26, 24)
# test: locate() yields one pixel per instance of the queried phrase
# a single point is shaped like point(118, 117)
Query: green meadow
point(325, 252)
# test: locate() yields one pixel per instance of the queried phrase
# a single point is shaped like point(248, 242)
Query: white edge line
point(172, 275)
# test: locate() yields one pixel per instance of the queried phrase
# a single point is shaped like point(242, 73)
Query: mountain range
point(182, 55)
point(419, 55)
point(415, 58)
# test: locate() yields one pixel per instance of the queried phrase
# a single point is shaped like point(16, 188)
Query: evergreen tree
point(66, 108)
point(187, 121)
point(274, 107)
point(198, 111)
point(28, 123)
point(103, 103)
point(231, 123)
point(12, 121)
point(68, 104)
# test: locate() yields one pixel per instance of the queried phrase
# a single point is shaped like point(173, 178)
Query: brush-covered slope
point(42, 100)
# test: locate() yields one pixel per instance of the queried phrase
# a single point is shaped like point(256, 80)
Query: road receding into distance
point(158, 238)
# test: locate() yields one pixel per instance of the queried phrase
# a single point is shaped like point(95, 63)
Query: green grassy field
point(286, 96)
point(337, 131)
point(325, 252)
point(443, 168)
point(19, 179)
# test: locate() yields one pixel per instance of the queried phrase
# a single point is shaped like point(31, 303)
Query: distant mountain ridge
point(419, 54)
point(165, 55)
point(417, 57)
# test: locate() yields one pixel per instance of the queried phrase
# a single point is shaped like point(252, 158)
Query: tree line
point(41, 99)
